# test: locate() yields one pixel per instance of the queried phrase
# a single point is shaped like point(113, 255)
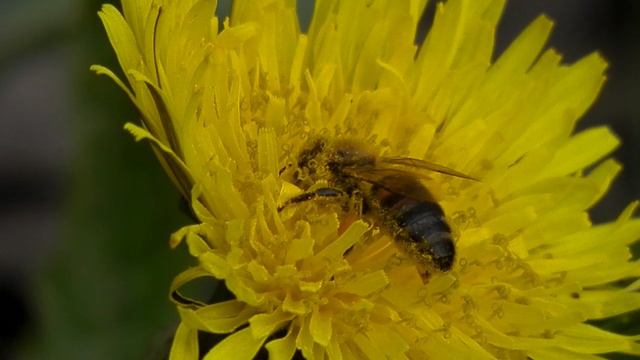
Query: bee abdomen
point(421, 215)
point(424, 225)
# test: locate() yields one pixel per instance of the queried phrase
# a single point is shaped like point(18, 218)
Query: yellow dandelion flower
point(247, 118)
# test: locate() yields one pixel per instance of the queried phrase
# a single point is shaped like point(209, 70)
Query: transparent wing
point(396, 181)
point(425, 165)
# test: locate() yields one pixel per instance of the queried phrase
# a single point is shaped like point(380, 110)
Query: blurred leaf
point(106, 294)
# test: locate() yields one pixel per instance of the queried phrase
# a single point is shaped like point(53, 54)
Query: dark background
point(85, 213)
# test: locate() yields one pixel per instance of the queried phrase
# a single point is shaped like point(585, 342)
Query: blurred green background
point(86, 212)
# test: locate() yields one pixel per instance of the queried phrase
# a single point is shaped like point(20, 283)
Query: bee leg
point(354, 208)
point(311, 195)
point(355, 204)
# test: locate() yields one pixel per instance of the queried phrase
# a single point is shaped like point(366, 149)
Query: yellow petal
point(320, 327)
point(185, 344)
point(264, 325)
point(283, 348)
point(240, 345)
point(344, 242)
point(121, 37)
point(556, 353)
point(523, 51)
point(580, 151)
point(224, 317)
point(610, 302)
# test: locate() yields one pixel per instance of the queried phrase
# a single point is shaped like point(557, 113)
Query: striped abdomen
point(421, 227)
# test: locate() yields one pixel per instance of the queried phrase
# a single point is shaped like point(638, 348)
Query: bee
point(388, 190)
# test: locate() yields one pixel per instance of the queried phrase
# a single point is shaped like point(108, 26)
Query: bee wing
point(397, 181)
point(425, 165)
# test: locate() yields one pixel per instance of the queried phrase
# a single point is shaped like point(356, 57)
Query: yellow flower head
point(254, 123)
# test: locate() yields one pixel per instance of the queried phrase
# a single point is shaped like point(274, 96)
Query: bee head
point(307, 157)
